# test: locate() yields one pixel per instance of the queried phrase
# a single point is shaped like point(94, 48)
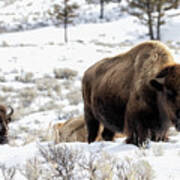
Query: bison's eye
point(178, 113)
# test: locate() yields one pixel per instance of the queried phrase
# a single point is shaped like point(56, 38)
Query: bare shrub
point(61, 161)
point(32, 170)
point(131, 169)
point(7, 173)
point(64, 73)
point(74, 97)
point(69, 164)
point(99, 165)
point(103, 165)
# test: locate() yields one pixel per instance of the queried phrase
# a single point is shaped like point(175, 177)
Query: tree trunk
point(158, 37)
point(150, 20)
point(101, 9)
point(65, 31)
point(65, 22)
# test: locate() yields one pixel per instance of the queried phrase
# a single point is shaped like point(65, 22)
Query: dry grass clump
point(8, 89)
point(27, 95)
point(74, 97)
point(23, 134)
point(48, 84)
point(25, 77)
point(50, 106)
point(67, 84)
point(64, 73)
point(3, 99)
point(2, 78)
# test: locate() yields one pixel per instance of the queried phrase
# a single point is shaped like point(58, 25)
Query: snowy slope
point(28, 83)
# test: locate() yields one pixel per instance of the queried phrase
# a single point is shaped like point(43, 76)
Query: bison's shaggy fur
point(73, 130)
point(4, 121)
point(137, 92)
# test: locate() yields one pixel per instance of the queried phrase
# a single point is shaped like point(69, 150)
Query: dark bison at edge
point(137, 92)
point(5, 118)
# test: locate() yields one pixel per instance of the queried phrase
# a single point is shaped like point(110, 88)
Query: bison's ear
point(159, 81)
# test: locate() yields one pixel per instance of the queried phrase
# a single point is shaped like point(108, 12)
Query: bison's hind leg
point(157, 136)
point(107, 134)
point(92, 125)
point(132, 138)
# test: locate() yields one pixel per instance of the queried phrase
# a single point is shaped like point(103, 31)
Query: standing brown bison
point(5, 118)
point(137, 92)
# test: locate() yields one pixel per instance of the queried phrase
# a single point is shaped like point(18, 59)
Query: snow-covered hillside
point(40, 76)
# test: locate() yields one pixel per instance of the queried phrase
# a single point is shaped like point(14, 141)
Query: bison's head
point(167, 83)
point(5, 118)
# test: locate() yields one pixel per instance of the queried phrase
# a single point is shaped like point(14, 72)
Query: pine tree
point(64, 14)
point(151, 13)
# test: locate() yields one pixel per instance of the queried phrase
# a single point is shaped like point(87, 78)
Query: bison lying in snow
point(73, 130)
point(137, 92)
point(4, 120)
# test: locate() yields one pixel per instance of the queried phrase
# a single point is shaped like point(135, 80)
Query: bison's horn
point(11, 112)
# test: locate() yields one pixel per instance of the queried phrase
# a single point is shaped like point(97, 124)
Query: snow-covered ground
point(31, 68)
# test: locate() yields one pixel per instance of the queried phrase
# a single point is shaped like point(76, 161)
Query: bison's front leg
point(107, 134)
point(135, 129)
point(161, 133)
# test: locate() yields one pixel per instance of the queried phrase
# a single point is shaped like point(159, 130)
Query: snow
point(41, 50)
point(17, 154)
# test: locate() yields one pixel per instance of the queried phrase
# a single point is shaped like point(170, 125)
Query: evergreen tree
point(64, 14)
point(151, 13)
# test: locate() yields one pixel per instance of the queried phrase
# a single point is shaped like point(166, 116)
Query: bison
point(5, 118)
point(136, 92)
point(73, 130)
